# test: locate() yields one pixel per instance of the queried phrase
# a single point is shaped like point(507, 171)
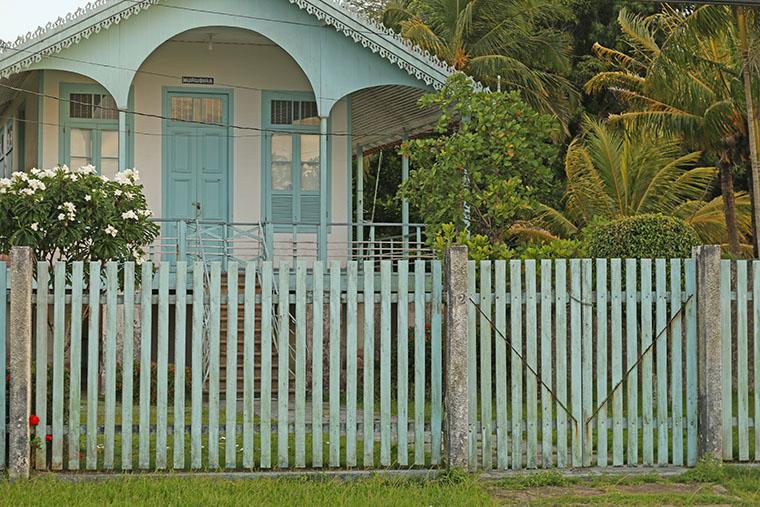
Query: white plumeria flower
point(129, 195)
point(26, 191)
point(129, 215)
point(35, 226)
point(105, 178)
point(117, 192)
point(5, 182)
point(88, 169)
point(48, 173)
point(146, 213)
point(34, 171)
point(18, 175)
point(111, 230)
point(61, 216)
point(36, 184)
point(64, 168)
point(88, 198)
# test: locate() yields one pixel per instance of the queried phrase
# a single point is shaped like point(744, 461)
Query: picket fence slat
point(631, 321)
point(587, 355)
point(547, 429)
point(92, 367)
point(231, 368)
point(486, 364)
point(109, 363)
point(317, 358)
point(75, 363)
point(676, 355)
point(691, 362)
point(560, 278)
point(531, 362)
point(249, 331)
point(385, 363)
point(335, 363)
point(368, 370)
point(756, 350)
point(576, 367)
point(266, 365)
point(420, 358)
point(726, 326)
point(472, 366)
point(146, 289)
point(59, 321)
point(742, 394)
point(162, 365)
point(502, 432)
point(436, 364)
point(647, 410)
point(283, 364)
point(196, 371)
point(213, 323)
point(601, 361)
point(661, 333)
point(352, 270)
point(300, 381)
point(128, 360)
point(402, 366)
point(180, 324)
point(616, 360)
point(515, 287)
point(41, 366)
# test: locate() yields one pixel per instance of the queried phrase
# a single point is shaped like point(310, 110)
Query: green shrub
point(641, 236)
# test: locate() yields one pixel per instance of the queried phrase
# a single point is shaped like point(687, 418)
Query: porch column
point(323, 190)
point(360, 199)
point(405, 201)
point(122, 139)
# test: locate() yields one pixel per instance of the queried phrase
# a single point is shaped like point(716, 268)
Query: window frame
point(96, 126)
point(269, 129)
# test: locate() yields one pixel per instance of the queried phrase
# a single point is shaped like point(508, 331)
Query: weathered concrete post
point(455, 388)
point(709, 359)
point(20, 352)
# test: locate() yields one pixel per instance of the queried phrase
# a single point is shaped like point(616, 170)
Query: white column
point(323, 190)
point(360, 198)
point(122, 139)
point(405, 202)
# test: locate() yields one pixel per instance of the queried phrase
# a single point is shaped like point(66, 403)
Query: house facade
point(248, 120)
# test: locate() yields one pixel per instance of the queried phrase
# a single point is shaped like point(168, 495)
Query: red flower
point(48, 437)
point(34, 420)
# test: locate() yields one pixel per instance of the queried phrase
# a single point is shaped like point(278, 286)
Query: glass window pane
point(212, 110)
point(310, 162)
point(80, 105)
point(109, 143)
point(182, 108)
point(105, 108)
point(80, 145)
point(282, 162)
point(109, 166)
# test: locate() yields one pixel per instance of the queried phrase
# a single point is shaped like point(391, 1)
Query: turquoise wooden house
point(247, 119)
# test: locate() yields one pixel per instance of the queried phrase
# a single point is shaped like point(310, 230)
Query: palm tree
point(490, 39)
point(612, 174)
point(680, 79)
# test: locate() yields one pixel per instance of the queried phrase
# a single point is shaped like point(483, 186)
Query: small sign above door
point(198, 80)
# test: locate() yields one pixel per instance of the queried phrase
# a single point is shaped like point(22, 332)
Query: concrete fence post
point(709, 359)
point(20, 358)
point(455, 387)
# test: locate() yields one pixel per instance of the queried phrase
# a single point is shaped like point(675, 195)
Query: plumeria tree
point(76, 215)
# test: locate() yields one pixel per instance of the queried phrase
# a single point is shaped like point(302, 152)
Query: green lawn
point(707, 484)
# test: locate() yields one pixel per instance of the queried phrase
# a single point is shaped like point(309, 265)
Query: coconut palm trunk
point(729, 204)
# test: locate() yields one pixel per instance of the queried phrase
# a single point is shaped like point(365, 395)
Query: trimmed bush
point(641, 236)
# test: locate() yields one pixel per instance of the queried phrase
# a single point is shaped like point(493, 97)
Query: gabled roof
point(102, 14)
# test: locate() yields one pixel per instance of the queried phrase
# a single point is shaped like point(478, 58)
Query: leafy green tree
point(681, 79)
point(489, 170)
point(611, 175)
point(515, 39)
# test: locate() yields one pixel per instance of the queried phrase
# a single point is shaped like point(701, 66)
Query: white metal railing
point(207, 240)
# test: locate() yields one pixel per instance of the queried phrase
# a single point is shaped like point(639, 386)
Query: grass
point(709, 483)
point(169, 491)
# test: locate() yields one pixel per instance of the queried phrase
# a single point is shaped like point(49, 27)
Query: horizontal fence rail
point(307, 365)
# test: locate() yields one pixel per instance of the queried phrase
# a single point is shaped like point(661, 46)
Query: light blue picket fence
point(325, 365)
point(582, 362)
point(571, 363)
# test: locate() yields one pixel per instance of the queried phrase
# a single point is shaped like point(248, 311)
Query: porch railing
point(242, 241)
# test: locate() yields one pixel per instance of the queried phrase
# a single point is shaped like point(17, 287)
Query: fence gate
point(179, 366)
point(582, 362)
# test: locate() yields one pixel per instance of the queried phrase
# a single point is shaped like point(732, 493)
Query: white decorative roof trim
point(372, 26)
point(61, 23)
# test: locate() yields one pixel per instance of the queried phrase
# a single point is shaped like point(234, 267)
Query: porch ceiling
point(382, 115)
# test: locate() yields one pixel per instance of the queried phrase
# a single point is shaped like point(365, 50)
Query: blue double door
point(197, 170)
